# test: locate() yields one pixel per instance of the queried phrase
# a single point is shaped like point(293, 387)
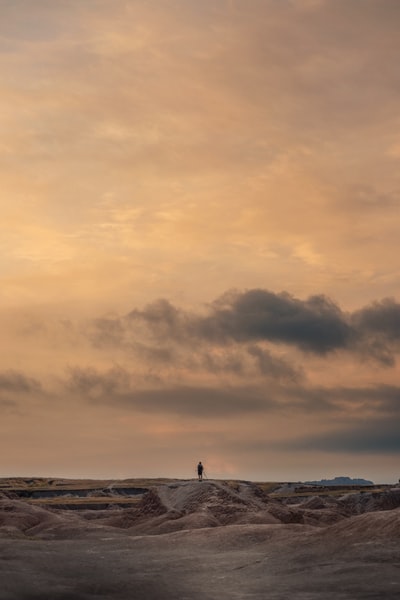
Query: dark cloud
point(274, 367)
point(382, 397)
point(315, 325)
point(380, 436)
point(378, 330)
point(381, 319)
point(379, 399)
point(246, 362)
point(231, 362)
point(17, 383)
point(247, 320)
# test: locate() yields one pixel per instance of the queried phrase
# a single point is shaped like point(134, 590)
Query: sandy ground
point(49, 557)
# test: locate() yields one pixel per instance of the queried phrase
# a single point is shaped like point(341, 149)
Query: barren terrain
point(167, 539)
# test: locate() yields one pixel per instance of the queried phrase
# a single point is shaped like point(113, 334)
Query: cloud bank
point(316, 325)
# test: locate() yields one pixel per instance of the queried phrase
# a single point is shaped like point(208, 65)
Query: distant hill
point(341, 481)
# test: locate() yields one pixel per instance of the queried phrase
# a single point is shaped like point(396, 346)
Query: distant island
point(340, 481)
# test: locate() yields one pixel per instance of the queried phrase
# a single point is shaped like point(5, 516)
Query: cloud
point(272, 366)
point(15, 382)
point(166, 335)
point(116, 387)
point(381, 318)
point(106, 330)
point(315, 325)
point(201, 401)
point(379, 398)
point(378, 327)
point(164, 319)
point(378, 436)
point(120, 388)
point(246, 362)
point(16, 387)
point(93, 384)
point(240, 332)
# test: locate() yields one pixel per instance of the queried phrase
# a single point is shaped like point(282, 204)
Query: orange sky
point(199, 238)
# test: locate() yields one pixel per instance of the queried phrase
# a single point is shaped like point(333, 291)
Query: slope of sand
point(208, 541)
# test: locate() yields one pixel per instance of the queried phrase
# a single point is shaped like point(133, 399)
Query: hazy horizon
point(199, 239)
point(188, 478)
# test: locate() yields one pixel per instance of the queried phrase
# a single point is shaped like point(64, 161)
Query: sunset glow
point(200, 238)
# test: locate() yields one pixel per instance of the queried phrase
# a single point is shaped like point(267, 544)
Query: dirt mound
point(24, 517)
point(165, 524)
point(152, 505)
point(218, 502)
point(314, 503)
point(192, 505)
point(212, 503)
point(355, 504)
point(189, 497)
point(21, 519)
point(368, 527)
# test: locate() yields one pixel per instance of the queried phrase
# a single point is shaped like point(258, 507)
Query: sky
point(199, 245)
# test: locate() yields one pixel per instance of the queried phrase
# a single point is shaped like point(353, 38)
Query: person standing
point(200, 470)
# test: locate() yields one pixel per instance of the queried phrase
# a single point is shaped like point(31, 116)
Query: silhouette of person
point(200, 470)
